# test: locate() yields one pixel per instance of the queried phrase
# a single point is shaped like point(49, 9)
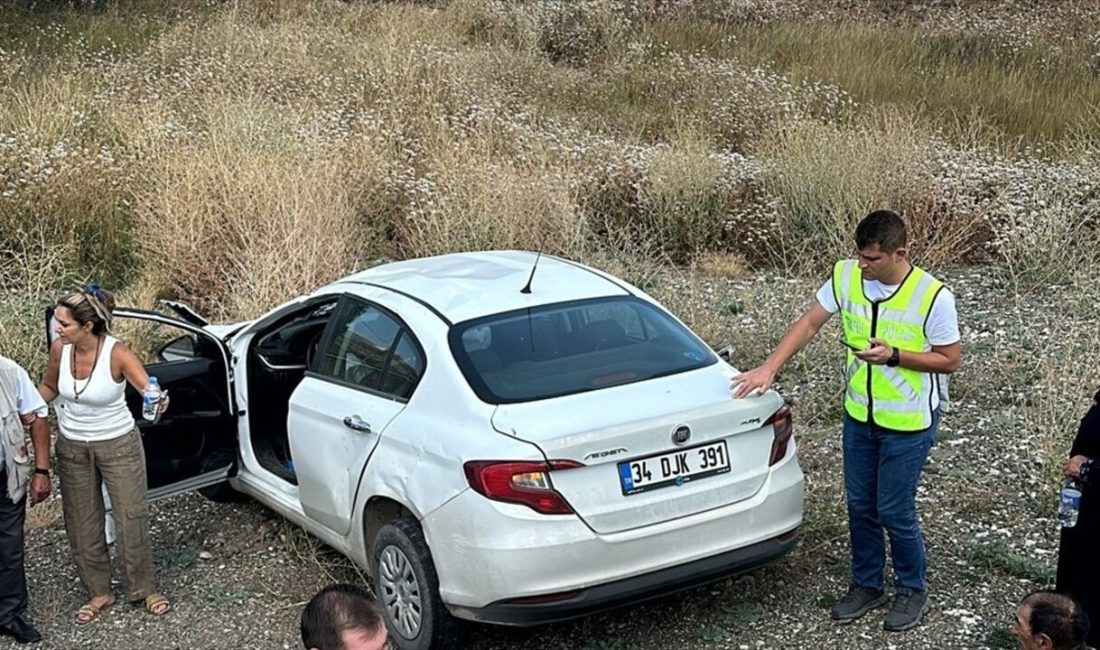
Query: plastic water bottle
point(150, 400)
point(1070, 503)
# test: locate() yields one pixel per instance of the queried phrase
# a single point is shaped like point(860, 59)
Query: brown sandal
point(89, 612)
point(157, 605)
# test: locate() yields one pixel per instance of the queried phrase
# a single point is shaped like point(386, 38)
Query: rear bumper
point(636, 589)
point(489, 554)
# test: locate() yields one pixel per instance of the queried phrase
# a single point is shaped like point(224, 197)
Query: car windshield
point(573, 347)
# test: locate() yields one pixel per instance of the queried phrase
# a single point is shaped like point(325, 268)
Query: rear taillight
point(784, 428)
point(520, 482)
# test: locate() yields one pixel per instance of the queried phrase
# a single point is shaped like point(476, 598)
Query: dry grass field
point(235, 153)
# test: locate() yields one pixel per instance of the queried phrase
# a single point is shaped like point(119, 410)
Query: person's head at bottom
point(1048, 620)
point(343, 617)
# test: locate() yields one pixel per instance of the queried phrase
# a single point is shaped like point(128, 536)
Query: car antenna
point(527, 287)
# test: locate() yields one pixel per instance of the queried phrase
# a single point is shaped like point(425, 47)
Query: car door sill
point(278, 494)
point(200, 481)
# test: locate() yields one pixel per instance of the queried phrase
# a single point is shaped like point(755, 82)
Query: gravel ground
point(239, 574)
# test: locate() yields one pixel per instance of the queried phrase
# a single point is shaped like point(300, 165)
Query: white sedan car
point(493, 436)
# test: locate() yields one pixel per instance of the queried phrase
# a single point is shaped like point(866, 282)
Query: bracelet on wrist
point(42, 471)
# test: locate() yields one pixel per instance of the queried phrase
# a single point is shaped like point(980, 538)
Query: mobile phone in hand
point(851, 346)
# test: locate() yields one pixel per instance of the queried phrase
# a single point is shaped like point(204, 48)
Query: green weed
point(998, 555)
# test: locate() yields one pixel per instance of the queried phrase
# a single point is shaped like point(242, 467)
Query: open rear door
point(194, 444)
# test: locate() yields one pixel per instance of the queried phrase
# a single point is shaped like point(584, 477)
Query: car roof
point(463, 286)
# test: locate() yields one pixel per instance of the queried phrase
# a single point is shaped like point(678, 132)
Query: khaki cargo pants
point(83, 468)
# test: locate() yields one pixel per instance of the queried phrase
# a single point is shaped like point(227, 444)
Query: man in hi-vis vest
point(900, 332)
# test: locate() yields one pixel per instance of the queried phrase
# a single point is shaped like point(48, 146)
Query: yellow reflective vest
point(895, 398)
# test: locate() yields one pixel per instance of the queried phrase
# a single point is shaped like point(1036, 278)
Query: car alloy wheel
point(407, 588)
point(400, 591)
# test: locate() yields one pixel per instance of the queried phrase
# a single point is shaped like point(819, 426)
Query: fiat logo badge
point(681, 435)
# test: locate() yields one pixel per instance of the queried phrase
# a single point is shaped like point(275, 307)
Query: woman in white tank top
point(100, 446)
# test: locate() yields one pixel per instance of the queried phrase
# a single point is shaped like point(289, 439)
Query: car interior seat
point(544, 339)
point(485, 360)
point(511, 342)
point(601, 335)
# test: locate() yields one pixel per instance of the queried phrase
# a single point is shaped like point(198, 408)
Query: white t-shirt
point(27, 400)
point(942, 327)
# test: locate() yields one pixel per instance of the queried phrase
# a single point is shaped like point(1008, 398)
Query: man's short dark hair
point(881, 227)
point(1059, 617)
point(336, 609)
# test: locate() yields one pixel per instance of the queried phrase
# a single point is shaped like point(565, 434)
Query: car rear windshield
point(573, 347)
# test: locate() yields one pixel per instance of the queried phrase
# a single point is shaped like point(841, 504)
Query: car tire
point(407, 588)
point(221, 492)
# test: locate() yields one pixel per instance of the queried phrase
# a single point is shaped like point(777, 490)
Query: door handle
point(356, 423)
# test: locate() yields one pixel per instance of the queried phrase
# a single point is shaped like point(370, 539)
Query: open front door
point(194, 444)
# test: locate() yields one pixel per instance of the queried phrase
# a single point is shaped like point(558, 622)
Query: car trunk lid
point(634, 473)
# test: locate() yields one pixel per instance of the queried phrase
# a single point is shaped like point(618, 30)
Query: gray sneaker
point(907, 611)
point(857, 602)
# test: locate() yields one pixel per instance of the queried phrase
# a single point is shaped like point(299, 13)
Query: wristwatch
point(895, 358)
point(43, 472)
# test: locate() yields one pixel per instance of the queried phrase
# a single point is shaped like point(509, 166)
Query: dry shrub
point(63, 214)
point(687, 201)
point(609, 182)
point(722, 265)
point(312, 13)
point(826, 178)
point(477, 202)
point(93, 238)
point(268, 12)
point(432, 99)
point(70, 192)
point(84, 207)
point(570, 32)
point(310, 60)
point(581, 32)
point(1066, 379)
point(33, 273)
point(1051, 241)
point(687, 298)
point(270, 145)
point(23, 106)
point(637, 260)
point(682, 199)
point(314, 169)
point(649, 95)
point(721, 13)
point(496, 23)
point(248, 220)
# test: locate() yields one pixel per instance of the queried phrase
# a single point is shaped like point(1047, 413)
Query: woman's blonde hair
point(91, 305)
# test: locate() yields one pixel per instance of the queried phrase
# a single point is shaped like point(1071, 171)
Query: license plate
point(673, 468)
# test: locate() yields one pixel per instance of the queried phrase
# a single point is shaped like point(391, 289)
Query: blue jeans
point(881, 472)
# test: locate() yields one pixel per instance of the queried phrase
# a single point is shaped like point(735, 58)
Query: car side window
point(406, 366)
point(370, 349)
